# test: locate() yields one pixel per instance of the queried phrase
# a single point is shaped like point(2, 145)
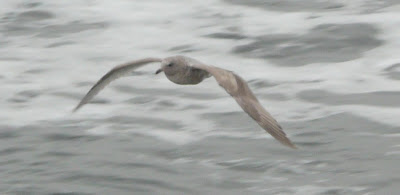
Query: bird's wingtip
point(75, 109)
point(287, 142)
point(291, 145)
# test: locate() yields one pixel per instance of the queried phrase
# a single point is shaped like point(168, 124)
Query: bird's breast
point(188, 77)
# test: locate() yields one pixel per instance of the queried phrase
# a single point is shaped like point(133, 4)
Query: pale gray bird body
point(187, 71)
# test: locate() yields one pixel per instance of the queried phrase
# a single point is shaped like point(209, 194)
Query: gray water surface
point(328, 71)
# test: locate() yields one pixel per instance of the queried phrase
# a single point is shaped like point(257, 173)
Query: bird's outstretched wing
point(241, 92)
point(115, 73)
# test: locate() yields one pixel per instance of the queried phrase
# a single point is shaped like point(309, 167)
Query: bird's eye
point(170, 64)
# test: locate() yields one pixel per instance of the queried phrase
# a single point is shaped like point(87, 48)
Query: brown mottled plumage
point(187, 71)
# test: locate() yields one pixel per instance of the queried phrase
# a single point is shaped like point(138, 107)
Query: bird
point(184, 70)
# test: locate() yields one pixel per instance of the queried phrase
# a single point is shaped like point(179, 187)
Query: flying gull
point(188, 71)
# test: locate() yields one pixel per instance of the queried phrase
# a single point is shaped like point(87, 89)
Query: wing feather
point(115, 73)
point(243, 95)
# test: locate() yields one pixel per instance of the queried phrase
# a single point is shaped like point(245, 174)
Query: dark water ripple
point(12, 150)
point(393, 71)
point(312, 5)
point(139, 165)
point(289, 5)
point(8, 134)
point(379, 98)
point(129, 183)
point(34, 22)
point(323, 43)
point(223, 35)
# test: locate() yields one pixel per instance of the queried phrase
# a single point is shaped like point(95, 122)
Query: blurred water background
point(328, 71)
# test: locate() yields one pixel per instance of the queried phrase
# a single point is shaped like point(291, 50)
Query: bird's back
point(187, 75)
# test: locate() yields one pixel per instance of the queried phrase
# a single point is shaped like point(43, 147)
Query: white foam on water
point(102, 130)
point(392, 153)
point(176, 137)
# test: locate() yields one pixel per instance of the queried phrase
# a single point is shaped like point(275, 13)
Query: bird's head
point(172, 65)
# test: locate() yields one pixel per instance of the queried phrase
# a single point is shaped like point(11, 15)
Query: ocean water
point(328, 71)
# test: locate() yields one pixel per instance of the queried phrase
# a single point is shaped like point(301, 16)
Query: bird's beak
point(159, 70)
